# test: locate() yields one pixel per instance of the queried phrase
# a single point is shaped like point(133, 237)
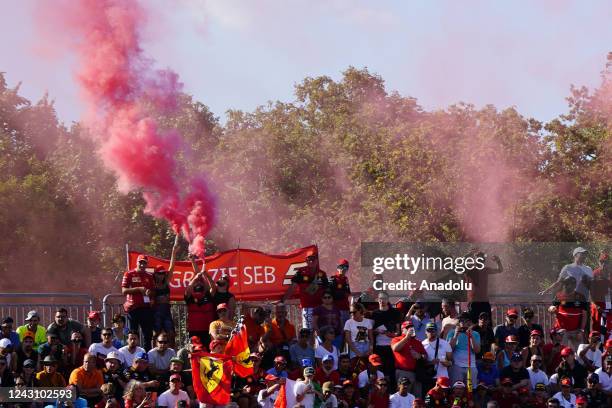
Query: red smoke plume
point(121, 88)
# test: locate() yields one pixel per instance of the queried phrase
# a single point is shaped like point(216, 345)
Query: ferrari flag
point(212, 377)
point(238, 347)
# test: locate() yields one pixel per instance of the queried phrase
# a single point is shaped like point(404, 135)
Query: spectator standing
point(358, 333)
point(478, 297)
point(38, 332)
point(280, 332)
point(419, 319)
point(255, 327)
point(63, 326)
point(509, 328)
point(484, 329)
point(581, 273)
point(552, 351)
point(569, 308)
point(326, 315)
point(439, 353)
point(162, 315)
point(327, 348)
point(221, 329)
point(303, 349)
point(601, 296)
point(311, 282)
point(449, 317)
point(137, 286)
point(200, 306)
point(339, 285)
point(535, 347)
point(458, 340)
point(528, 326)
point(407, 349)
point(386, 327)
point(221, 294)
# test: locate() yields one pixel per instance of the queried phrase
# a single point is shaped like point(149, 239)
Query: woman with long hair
point(136, 396)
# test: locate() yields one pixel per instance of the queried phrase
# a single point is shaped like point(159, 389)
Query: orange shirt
point(280, 335)
point(44, 379)
point(254, 330)
point(85, 380)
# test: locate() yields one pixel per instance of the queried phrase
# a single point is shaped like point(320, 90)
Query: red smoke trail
point(121, 87)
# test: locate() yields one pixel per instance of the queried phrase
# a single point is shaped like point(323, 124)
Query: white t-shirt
point(594, 356)
point(397, 401)
point(98, 350)
point(168, 399)
point(363, 379)
point(539, 377)
point(321, 352)
point(128, 358)
point(159, 361)
point(604, 379)
point(443, 348)
point(330, 402)
point(359, 330)
point(578, 272)
point(448, 324)
point(309, 397)
point(267, 402)
point(565, 403)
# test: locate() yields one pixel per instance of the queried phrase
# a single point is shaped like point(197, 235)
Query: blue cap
point(307, 362)
point(141, 355)
point(516, 357)
point(328, 357)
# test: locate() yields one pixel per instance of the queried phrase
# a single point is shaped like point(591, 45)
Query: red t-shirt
point(201, 311)
point(547, 350)
point(599, 288)
point(135, 279)
point(379, 400)
point(321, 377)
point(311, 286)
point(339, 285)
point(403, 358)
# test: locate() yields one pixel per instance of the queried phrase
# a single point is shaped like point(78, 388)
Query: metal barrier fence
point(77, 304)
point(113, 304)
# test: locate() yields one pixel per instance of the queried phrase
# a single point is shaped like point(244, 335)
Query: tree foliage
point(345, 162)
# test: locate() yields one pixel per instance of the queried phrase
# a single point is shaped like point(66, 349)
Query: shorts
point(362, 347)
point(162, 318)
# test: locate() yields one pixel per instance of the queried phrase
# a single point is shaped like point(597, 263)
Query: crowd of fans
point(348, 352)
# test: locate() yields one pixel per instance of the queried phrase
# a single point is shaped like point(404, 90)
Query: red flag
point(286, 395)
point(212, 377)
point(238, 346)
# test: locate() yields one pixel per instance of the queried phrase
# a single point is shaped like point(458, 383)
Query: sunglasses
point(162, 341)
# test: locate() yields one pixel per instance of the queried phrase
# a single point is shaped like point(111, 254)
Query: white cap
point(4, 343)
point(579, 250)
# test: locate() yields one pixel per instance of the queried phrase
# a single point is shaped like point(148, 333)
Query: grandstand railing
point(79, 304)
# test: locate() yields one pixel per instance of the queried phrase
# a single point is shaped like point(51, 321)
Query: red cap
point(566, 381)
point(142, 258)
point(343, 261)
point(536, 333)
point(581, 400)
point(512, 312)
point(222, 306)
point(608, 343)
point(94, 314)
point(375, 360)
point(215, 343)
point(270, 377)
point(279, 359)
point(566, 351)
point(176, 377)
point(407, 323)
point(311, 252)
point(512, 339)
point(506, 380)
point(443, 382)
point(523, 390)
point(160, 269)
point(594, 333)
